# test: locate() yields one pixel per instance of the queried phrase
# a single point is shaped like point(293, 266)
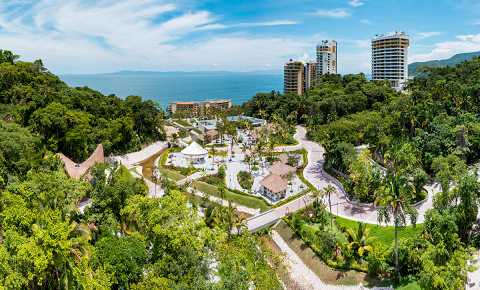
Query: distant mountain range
point(198, 73)
point(412, 68)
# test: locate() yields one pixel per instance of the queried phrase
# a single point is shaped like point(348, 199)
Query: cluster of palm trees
point(222, 217)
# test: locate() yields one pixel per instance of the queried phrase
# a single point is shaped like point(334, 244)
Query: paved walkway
point(314, 173)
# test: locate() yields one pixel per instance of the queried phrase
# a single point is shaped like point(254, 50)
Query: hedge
point(346, 265)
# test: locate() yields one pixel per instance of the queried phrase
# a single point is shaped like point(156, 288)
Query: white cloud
point(303, 58)
point(356, 3)
point(365, 21)
point(78, 37)
point(476, 22)
point(215, 64)
point(334, 13)
point(444, 50)
point(428, 34)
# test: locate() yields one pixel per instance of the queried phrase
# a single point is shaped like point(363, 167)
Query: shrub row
point(182, 170)
point(339, 265)
point(163, 158)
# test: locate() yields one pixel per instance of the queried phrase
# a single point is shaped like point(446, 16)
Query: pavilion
point(195, 153)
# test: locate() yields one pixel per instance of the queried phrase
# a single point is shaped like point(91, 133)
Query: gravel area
point(302, 274)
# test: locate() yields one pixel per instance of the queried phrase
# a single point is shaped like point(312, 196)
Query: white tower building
point(326, 58)
point(390, 58)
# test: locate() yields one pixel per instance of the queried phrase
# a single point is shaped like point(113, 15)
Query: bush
point(221, 172)
point(255, 168)
point(245, 179)
point(182, 170)
point(213, 179)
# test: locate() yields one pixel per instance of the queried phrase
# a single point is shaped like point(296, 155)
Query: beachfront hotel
point(326, 58)
point(195, 106)
point(390, 58)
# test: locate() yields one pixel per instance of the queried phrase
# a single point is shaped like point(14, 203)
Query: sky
point(101, 36)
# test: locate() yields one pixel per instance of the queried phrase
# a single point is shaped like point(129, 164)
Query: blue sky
point(106, 36)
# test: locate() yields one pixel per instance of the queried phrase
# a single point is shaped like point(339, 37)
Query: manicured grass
point(385, 235)
point(183, 123)
point(197, 131)
point(247, 201)
point(336, 276)
point(339, 234)
point(172, 175)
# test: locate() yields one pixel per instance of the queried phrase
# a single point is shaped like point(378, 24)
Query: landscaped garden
point(245, 179)
point(183, 123)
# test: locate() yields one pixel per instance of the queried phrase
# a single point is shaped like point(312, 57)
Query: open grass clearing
point(175, 176)
point(183, 123)
point(385, 235)
point(336, 276)
point(247, 201)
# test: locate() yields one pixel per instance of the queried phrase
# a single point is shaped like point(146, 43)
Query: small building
point(212, 133)
point(195, 153)
point(281, 169)
point(284, 158)
point(274, 186)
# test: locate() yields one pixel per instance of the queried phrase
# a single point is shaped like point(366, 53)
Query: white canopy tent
point(195, 153)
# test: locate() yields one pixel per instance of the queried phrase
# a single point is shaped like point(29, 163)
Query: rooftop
point(274, 183)
point(281, 168)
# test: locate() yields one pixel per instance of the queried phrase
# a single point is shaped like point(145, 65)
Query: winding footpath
point(315, 174)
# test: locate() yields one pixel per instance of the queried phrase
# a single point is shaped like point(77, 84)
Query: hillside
point(412, 68)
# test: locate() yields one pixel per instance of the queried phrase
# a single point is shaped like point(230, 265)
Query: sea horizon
point(165, 89)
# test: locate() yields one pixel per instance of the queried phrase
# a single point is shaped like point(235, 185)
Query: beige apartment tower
point(390, 58)
point(310, 74)
point(195, 106)
point(326, 58)
point(293, 77)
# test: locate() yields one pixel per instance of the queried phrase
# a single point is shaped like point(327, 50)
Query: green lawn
point(183, 123)
point(247, 201)
point(339, 234)
point(175, 176)
point(385, 235)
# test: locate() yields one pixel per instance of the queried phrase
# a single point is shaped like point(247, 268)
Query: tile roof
point(212, 132)
point(274, 183)
point(281, 168)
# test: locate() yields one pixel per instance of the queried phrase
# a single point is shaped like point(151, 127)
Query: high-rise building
point(326, 58)
point(293, 77)
point(310, 74)
point(390, 58)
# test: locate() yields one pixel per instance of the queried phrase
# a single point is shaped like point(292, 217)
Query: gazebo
point(195, 153)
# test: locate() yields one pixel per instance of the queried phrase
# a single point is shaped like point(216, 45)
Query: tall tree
point(393, 199)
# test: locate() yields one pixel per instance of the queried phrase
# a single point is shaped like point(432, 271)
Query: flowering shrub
point(245, 179)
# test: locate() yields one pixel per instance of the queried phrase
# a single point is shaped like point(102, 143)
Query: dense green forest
point(73, 120)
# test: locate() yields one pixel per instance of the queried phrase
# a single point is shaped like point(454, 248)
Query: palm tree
point(393, 200)
point(327, 191)
point(247, 160)
point(359, 240)
point(259, 149)
point(213, 151)
point(271, 148)
point(245, 147)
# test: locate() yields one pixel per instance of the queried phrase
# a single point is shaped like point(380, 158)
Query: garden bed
point(182, 170)
point(213, 179)
point(183, 123)
point(245, 179)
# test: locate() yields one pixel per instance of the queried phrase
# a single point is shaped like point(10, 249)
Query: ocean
point(166, 89)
